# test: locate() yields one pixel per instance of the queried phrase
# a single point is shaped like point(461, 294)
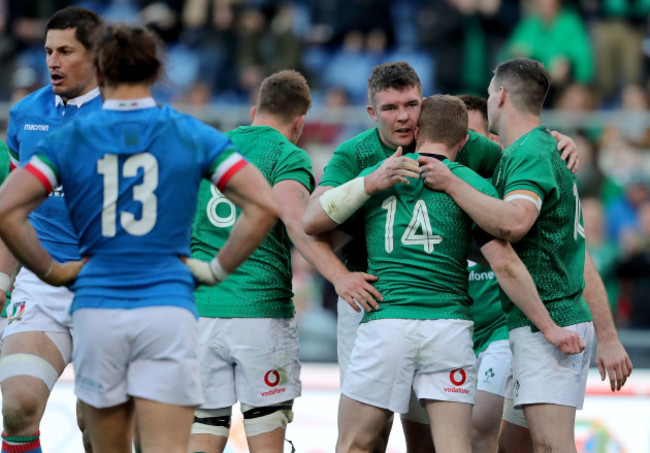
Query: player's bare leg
point(418, 437)
point(514, 439)
point(450, 426)
point(551, 427)
point(207, 443)
point(24, 397)
point(81, 423)
point(486, 419)
point(271, 442)
point(110, 429)
point(359, 425)
point(163, 428)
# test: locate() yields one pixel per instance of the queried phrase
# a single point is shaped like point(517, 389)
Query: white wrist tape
point(340, 203)
point(218, 271)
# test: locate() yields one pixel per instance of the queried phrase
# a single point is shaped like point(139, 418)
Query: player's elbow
point(513, 231)
point(9, 218)
point(310, 220)
point(267, 214)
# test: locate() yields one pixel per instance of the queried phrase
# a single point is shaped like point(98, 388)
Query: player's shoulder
point(185, 123)
point(36, 101)
point(365, 138)
point(536, 142)
point(470, 177)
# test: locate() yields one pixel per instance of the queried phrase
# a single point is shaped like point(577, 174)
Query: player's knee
point(19, 414)
point(483, 426)
point(360, 441)
point(215, 422)
point(260, 420)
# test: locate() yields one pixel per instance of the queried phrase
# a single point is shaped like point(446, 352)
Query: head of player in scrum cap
point(128, 55)
point(283, 101)
point(443, 121)
point(70, 35)
point(519, 85)
point(395, 97)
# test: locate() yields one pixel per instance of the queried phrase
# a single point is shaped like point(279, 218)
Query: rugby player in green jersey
point(395, 96)
point(540, 214)
point(248, 335)
point(421, 336)
point(490, 331)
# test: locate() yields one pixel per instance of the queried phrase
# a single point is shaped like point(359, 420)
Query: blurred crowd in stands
point(598, 52)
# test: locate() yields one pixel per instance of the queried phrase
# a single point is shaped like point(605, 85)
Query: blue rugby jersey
point(131, 195)
point(30, 120)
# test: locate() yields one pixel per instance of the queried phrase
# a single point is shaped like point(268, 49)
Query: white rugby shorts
point(148, 352)
point(391, 356)
point(493, 367)
point(542, 374)
point(347, 323)
point(250, 360)
point(37, 306)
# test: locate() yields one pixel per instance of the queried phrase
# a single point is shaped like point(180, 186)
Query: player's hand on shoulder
point(613, 361)
point(355, 288)
point(61, 274)
point(569, 150)
point(435, 174)
point(396, 169)
point(567, 340)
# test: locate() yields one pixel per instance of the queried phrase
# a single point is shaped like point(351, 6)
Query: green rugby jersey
point(366, 149)
point(4, 172)
point(554, 248)
point(261, 287)
point(486, 310)
point(418, 241)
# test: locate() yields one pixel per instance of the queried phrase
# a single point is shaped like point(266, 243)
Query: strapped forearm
point(343, 201)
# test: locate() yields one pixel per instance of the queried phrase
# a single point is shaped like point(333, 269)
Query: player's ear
point(253, 112)
point(371, 111)
point(296, 128)
point(416, 132)
point(463, 141)
point(502, 96)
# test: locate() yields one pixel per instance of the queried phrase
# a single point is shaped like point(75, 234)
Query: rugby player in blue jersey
point(37, 342)
point(131, 174)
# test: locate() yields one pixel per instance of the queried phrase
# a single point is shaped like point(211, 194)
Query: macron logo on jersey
point(36, 127)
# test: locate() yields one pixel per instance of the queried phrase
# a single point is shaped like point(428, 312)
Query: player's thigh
point(30, 365)
point(450, 425)
point(486, 420)
point(267, 366)
point(359, 425)
point(514, 438)
point(108, 429)
point(163, 427)
point(551, 426)
point(382, 364)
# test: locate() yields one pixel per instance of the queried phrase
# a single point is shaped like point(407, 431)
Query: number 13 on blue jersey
point(143, 193)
